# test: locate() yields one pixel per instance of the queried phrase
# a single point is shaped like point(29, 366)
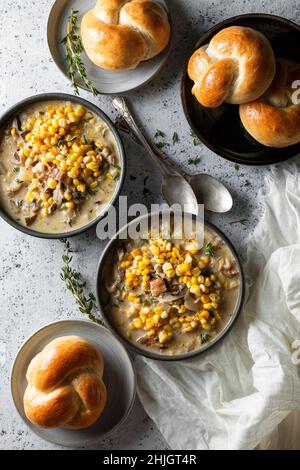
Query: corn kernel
point(195, 290)
point(158, 310)
point(205, 299)
point(52, 183)
point(81, 188)
point(138, 323)
point(68, 109)
point(94, 185)
point(72, 117)
point(208, 306)
point(62, 122)
point(70, 205)
point(163, 337)
point(80, 111)
point(30, 198)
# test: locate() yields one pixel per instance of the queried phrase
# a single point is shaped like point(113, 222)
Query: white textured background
point(31, 293)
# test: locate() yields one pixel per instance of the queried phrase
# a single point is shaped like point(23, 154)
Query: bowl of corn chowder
point(169, 298)
point(62, 165)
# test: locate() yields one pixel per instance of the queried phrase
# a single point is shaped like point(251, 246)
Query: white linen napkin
point(236, 395)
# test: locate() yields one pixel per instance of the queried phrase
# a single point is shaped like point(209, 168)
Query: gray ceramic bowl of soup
point(168, 298)
point(62, 165)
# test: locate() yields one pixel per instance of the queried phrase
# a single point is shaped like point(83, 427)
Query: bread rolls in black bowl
point(220, 128)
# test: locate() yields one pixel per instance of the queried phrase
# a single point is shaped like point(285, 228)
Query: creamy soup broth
point(173, 296)
point(59, 166)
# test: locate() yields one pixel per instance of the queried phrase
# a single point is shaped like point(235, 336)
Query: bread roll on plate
point(119, 34)
point(65, 387)
point(237, 66)
point(274, 119)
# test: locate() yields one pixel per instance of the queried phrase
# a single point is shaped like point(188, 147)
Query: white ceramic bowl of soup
point(91, 205)
point(186, 342)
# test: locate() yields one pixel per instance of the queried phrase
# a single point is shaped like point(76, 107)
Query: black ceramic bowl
point(221, 129)
point(16, 110)
point(104, 272)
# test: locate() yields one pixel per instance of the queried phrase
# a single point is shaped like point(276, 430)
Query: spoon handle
point(122, 125)
point(121, 106)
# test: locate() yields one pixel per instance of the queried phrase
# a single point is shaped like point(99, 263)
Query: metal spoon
point(175, 188)
point(207, 189)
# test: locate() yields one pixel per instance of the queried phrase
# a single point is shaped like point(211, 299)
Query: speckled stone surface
point(31, 293)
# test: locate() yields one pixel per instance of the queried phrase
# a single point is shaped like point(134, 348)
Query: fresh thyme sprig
point(74, 47)
point(194, 161)
point(76, 285)
point(209, 250)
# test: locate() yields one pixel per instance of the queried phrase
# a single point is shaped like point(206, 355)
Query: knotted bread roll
point(65, 387)
point(274, 119)
point(119, 34)
point(237, 66)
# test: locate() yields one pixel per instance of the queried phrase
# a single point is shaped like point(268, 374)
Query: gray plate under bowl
point(119, 378)
point(107, 82)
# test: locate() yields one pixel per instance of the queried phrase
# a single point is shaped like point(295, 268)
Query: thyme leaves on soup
point(17, 203)
point(205, 337)
point(209, 250)
point(86, 140)
point(77, 286)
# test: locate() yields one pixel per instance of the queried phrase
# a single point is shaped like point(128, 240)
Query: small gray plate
point(119, 378)
point(106, 82)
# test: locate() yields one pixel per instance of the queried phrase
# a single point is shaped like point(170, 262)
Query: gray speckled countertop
point(31, 293)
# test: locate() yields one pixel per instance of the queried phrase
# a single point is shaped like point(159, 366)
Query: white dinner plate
point(119, 378)
point(106, 82)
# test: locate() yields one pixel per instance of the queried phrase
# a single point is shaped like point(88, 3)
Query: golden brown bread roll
point(119, 34)
point(274, 119)
point(237, 66)
point(65, 387)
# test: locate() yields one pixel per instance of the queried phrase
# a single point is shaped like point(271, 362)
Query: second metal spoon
point(175, 188)
point(207, 189)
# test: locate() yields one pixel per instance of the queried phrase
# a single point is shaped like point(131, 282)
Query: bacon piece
point(157, 287)
point(30, 220)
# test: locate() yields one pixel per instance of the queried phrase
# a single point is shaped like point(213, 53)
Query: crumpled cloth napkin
point(236, 395)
